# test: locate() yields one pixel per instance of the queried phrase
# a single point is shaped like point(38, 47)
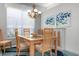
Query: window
point(19, 18)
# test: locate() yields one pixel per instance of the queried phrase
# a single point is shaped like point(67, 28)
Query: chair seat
point(39, 47)
point(22, 46)
point(4, 41)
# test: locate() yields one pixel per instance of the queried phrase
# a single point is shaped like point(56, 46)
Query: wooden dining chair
point(19, 44)
point(46, 44)
point(56, 41)
point(4, 43)
point(27, 32)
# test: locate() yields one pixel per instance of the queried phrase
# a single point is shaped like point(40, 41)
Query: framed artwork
point(61, 20)
point(51, 22)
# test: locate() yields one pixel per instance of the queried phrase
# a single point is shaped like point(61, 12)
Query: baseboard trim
point(70, 52)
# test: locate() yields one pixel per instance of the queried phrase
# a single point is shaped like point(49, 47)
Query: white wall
point(70, 35)
point(37, 23)
point(25, 7)
point(3, 18)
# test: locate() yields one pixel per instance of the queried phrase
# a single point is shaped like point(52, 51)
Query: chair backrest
point(54, 34)
point(51, 29)
point(40, 31)
point(57, 39)
point(27, 32)
point(17, 38)
point(58, 35)
point(47, 41)
point(1, 35)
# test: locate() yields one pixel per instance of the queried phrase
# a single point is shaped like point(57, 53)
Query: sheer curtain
point(18, 18)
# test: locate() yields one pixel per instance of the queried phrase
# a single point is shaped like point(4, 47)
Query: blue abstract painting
point(50, 21)
point(63, 18)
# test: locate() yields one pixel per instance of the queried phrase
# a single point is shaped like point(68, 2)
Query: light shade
point(39, 12)
point(28, 11)
point(35, 10)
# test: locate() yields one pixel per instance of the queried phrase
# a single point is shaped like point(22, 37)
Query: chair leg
point(55, 48)
point(4, 48)
point(18, 52)
point(50, 52)
point(55, 52)
point(42, 53)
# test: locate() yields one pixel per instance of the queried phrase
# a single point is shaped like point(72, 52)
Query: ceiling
point(46, 5)
point(42, 5)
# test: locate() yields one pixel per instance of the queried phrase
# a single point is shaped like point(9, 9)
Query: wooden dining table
point(31, 41)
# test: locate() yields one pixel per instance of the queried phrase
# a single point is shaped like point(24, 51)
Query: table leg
point(1, 49)
point(32, 50)
point(4, 48)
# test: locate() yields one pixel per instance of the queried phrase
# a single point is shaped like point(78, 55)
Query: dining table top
point(31, 38)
